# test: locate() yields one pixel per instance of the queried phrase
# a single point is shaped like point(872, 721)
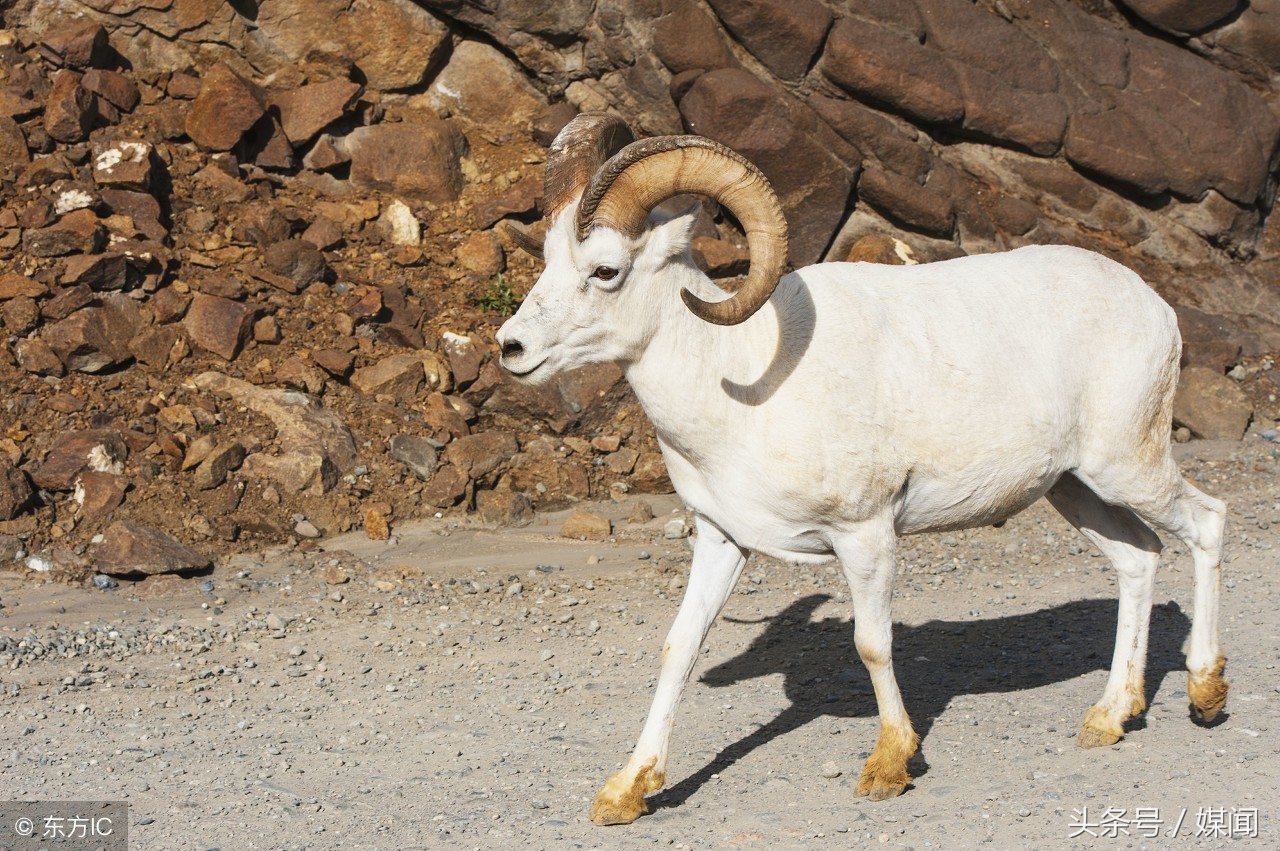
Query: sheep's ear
point(670, 237)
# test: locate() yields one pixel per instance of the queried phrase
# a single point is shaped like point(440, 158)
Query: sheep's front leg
point(717, 564)
point(867, 554)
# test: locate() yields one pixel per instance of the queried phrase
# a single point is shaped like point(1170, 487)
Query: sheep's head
point(608, 253)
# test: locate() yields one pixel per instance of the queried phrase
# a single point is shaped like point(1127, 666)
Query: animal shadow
point(934, 662)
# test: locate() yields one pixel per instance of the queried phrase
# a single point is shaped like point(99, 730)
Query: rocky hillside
point(252, 255)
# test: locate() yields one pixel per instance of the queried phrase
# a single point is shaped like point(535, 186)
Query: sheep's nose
point(512, 348)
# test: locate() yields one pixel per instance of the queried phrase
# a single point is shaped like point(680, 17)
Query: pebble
point(830, 770)
point(644, 555)
point(306, 529)
point(548, 568)
point(106, 583)
point(675, 529)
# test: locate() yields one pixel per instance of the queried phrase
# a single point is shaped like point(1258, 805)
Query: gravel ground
point(472, 688)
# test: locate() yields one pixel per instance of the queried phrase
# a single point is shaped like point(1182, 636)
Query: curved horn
point(577, 153)
point(527, 242)
point(646, 173)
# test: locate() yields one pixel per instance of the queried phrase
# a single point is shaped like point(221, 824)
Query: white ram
point(827, 411)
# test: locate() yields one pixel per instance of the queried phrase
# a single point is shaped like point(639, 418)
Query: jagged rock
point(99, 272)
point(720, 258)
point(123, 164)
point(504, 506)
point(481, 454)
point(480, 255)
point(325, 155)
point(155, 346)
point(296, 372)
point(132, 549)
point(485, 88)
point(397, 376)
point(77, 44)
point(36, 357)
point(219, 325)
point(112, 86)
point(447, 486)
point(215, 466)
point(78, 232)
point(67, 301)
point(15, 489)
point(323, 233)
point(13, 144)
point(394, 43)
point(1211, 405)
point(334, 361)
point(100, 450)
point(13, 285)
point(227, 107)
point(465, 357)
point(99, 494)
point(316, 446)
point(441, 415)
point(267, 145)
point(650, 474)
point(307, 110)
point(96, 338)
point(583, 525)
point(297, 260)
point(70, 110)
point(521, 197)
point(420, 160)
point(416, 453)
point(141, 208)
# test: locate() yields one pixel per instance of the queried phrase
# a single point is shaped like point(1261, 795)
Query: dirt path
point(452, 693)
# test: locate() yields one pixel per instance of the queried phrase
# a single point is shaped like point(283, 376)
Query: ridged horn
point(577, 153)
point(644, 174)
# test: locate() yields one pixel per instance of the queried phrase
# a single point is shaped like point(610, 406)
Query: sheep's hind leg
point(717, 564)
point(1164, 499)
point(867, 558)
point(1134, 551)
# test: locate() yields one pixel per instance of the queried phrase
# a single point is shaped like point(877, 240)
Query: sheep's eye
point(605, 273)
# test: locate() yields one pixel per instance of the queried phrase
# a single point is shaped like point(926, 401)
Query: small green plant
point(498, 297)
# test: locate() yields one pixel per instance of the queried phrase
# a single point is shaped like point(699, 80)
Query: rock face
point(313, 196)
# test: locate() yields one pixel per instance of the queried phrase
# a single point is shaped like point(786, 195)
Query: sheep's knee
point(1208, 690)
point(885, 775)
point(621, 801)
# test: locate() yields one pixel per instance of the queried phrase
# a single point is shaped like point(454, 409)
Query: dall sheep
point(827, 411)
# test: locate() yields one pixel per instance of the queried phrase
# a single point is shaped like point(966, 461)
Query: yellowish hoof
point(881, 788)
point(1208, 691)
point(1099, 730)
point(621, 801)
point(885, 774)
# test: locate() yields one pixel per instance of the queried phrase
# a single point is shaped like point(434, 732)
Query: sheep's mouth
point(522, 373)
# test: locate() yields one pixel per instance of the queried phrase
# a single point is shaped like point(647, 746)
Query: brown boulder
point(131, 549)
point(218, 325)
point(307, 110)
point(77, 43)
point(14, 285)
point(480, 454)
point(447, 486)
point(1211, 405)
point(1183, 17)
point(879, 63)
point(783, 34)
point(78, 232)
point(397, 376)
point(583, 525)
point(15, 489)
point(100, 450)
point(296, 259)
point(686, 38)
point(13, 144)
point(70, 109)
point(215, 466)
point(112, 86)
point(227, 107)
point(123, 164)
point(419, 160)
point(99, 494)
point(485, 88)
point(96, 338)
